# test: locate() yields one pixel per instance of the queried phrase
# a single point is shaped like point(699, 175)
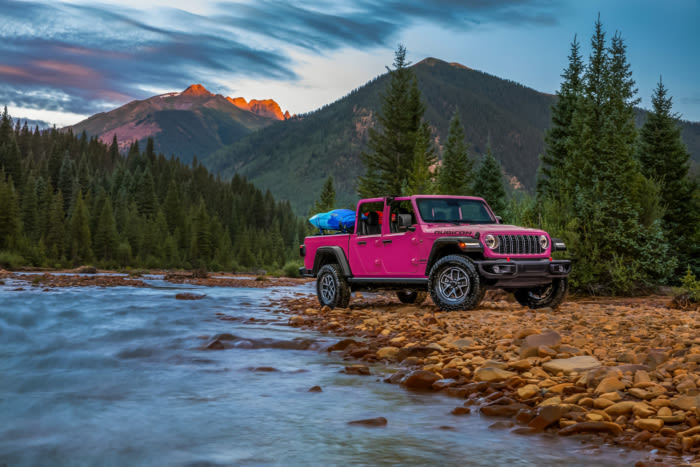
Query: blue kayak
point(337, 219)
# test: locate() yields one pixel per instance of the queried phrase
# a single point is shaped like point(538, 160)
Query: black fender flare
point(467, 245)
point(338, 254)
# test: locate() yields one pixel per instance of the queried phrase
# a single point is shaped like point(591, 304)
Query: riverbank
point(621, 371)
point(86, 277)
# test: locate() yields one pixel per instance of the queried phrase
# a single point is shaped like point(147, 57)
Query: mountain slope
point(183, 124)
point(292, 158)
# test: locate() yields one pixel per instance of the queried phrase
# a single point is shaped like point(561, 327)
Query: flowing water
point(119, 376)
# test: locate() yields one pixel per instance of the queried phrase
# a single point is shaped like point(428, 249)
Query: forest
point(66, 200)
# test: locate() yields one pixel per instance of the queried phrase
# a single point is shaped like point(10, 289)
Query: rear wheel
point(454, 283)
point(411, 296)
point(332, 289)
point(551, 295)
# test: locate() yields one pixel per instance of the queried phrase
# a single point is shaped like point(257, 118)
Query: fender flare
point(472, 245)
point(337, 253)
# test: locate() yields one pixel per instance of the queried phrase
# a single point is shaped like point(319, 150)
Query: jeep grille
point(519, 245)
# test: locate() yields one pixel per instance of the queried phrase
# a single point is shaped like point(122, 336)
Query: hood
point(469, 230)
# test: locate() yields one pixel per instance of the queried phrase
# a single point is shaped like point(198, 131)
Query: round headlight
point(491, 241)
point(544, 242)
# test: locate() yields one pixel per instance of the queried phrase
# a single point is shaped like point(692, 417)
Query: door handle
point(386, 241)
point(362, 242)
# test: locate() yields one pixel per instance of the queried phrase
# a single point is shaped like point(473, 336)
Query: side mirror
point(404, 223)
point(499, 219)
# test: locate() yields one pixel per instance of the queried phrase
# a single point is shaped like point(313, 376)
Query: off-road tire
point(411, 296)
point(545, 296)
point(480, 298)
point(332, 289)
point(454, 283)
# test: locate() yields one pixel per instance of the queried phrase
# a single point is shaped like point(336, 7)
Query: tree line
point(621, 198)
point(66, 200)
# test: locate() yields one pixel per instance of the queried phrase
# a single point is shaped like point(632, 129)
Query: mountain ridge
point(182, 124)
point(305, 150)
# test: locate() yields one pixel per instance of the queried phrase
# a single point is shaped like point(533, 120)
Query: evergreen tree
point(327, 200)
point(172, 207)
point(201, 248)
point(146, 195)
point(56, 228)
point(664, 158)
point(420, 179)
point(10, 224)
point(10, 157)
point(30, 210)
point(65, 182)
point(80, 238)
point(391, 146)
point(106, 236)
point(557, 136)
point(489, 183)
point(456, 173)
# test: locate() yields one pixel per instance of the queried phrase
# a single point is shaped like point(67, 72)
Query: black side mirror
point(499, 219)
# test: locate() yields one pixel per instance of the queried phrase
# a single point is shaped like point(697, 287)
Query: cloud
point(95, 56)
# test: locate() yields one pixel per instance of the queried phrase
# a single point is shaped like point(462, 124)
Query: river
point(120, 376)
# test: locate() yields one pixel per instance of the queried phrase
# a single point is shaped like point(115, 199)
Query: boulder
point(528, 391)
point(379, 421)
point(420, 379)
point(491, 374)
point(356, 370)
point(620, 408)
point(568, 365)
point(388, 353)
point(685, 402)
point(592, 427)
point(609, 384)
point(548, 415)
point(531, 344)
point(508, 410)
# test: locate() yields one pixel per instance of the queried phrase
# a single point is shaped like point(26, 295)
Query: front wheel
point(551, 295)
point(411, 296)
point(454, 283)
point(332, 289)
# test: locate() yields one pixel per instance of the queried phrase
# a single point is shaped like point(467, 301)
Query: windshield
point(454, 210)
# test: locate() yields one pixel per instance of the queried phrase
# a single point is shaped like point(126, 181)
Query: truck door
point(366, 244)
point(401, 242)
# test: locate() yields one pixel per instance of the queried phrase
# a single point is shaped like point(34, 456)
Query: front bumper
point(522, 272)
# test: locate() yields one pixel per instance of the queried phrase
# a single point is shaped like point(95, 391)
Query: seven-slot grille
point(519, 245)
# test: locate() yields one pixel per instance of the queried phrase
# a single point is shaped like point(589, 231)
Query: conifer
point(488, 183)
point(456, 174)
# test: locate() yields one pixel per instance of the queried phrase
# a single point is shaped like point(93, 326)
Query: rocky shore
point(85, 277)
point(625, 372)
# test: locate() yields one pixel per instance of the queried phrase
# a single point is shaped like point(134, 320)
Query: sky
point(62, 61)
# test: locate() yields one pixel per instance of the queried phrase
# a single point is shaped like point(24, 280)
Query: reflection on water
point(121, 376)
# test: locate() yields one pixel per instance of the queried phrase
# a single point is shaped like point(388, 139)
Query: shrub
point(291, 269)
point(10, 260)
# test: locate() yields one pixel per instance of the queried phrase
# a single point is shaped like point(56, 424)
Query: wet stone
point(372, 422)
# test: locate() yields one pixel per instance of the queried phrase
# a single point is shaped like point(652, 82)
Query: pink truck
point(452, 247)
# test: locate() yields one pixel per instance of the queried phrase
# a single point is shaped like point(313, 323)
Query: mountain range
point(183, 124)
point(293, 155)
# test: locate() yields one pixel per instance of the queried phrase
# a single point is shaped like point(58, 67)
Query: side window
point(370, 221)
point(402, 216)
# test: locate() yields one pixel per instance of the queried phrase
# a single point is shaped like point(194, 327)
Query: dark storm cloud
point(85, 59)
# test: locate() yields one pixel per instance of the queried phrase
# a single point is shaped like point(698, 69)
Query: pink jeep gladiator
point(452, 247)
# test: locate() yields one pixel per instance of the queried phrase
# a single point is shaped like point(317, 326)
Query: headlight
point(491, 241)
point(544, 242)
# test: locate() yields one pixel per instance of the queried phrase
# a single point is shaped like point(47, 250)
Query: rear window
point(454, 210)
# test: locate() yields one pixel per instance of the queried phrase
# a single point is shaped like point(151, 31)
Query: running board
point(408, 281)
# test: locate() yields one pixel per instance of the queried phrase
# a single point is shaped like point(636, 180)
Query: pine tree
point(420, 179)
point(30, 209)
point(106, 236)
point(65, 182)
point(456, 173)
point(146, 195)
point(327, 200)
point(56, 228)
point(10, 223)
point(10, 157)
point(664, 158)
point(201, 247)
point(557, 136)
point(391, 146)
point(80, 238)
point(489, 183)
